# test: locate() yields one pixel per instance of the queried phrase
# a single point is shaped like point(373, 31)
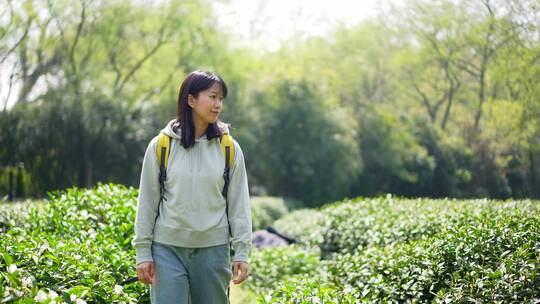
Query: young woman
point(182, 241)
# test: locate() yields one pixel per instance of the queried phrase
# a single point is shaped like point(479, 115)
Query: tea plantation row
point(76, 249)
point(438, 251)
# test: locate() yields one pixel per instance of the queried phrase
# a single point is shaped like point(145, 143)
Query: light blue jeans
point(191, 275)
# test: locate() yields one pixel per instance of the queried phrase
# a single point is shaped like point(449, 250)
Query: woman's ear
point(190, 100)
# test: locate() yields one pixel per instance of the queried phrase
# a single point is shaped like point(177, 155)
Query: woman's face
point(207, 106)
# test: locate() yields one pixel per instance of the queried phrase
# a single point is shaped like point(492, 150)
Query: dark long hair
point(194, 83)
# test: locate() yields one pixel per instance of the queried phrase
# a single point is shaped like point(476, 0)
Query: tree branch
point(10, 22)
point(161, 40)
point(425, 101)
point(76, 41)
point(10, 87)
point(23, 37)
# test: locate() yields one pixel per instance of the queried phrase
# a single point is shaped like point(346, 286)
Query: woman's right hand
point(146, 272)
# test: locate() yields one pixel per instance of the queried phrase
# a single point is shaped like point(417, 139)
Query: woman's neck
point(200, 128)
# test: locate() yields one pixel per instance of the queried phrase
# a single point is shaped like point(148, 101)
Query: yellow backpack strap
point(163, 150)
point(227, 147)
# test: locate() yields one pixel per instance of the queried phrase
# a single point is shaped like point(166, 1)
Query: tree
point(306, 148)
point(92, 75)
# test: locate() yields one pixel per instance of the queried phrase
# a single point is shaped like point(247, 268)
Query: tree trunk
point(532, 168)
point(448, 107)
point(10, 189)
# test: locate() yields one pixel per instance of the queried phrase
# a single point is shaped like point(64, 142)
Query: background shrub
point(266, 209)
point(304, 225)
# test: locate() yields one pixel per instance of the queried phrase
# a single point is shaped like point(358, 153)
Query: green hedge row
point(397, 250)
point(497, 259)
point(304, 225)
point(272, 266)
point(266, 209)
point(352, 226)
point(75, 249)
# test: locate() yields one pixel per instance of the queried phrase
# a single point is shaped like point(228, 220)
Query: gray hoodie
point(193, 214)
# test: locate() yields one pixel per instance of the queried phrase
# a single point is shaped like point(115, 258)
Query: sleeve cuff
point(240, 258)
point(144, 254)
point(241, 253)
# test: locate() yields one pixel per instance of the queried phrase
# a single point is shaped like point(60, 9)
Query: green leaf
point(8, 260)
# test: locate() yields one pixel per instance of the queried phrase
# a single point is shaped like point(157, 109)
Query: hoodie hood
point(169, 130)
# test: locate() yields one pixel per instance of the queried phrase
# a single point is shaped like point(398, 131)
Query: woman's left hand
point(240, 271)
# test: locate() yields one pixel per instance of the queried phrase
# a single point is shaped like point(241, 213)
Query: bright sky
point(264, 23)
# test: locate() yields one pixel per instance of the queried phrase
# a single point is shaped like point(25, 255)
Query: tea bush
point(441, 251)
point(308, 291)
point(495, 260)
point(353, 225)
point(74, 249)
point(304, 225)
point(13, 214)
point(271, 266)
point(266, 209)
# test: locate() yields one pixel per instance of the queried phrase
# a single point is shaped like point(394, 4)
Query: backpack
point(164, 148)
